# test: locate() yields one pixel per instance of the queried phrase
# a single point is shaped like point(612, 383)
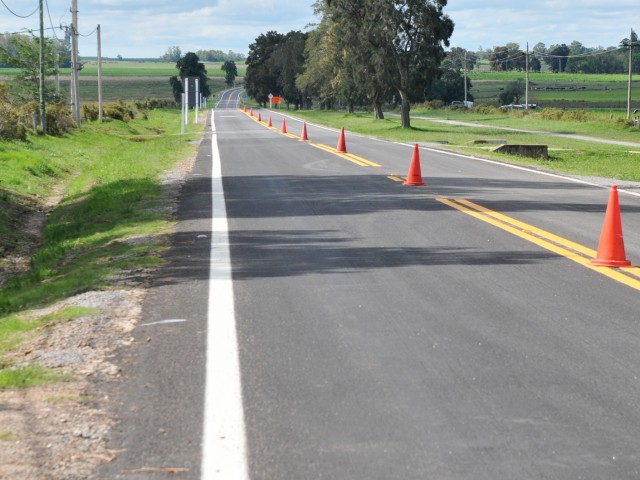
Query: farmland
point(128, 80)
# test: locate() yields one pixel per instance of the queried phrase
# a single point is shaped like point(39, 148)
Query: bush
point(90, 112)
point(485, 109)
point(119, 111)
point(12, 126)
point(59, 120)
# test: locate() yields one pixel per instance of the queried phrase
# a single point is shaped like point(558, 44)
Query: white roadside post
point(197, 97)
point(182, 115)
point(270, 101)
point(186, 102)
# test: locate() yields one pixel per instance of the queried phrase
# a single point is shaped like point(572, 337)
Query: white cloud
point(146, 28)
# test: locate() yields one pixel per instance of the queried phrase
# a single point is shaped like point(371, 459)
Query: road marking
point(363, 162)
point(224, 451)
point(549, 241)
point(396, 178)
point(164, 322)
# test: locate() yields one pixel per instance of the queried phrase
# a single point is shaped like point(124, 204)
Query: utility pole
point(75, 95)
point(630, 75)
point(43, 120)
point(99, 76)
point(526, 83)
point(465, 78)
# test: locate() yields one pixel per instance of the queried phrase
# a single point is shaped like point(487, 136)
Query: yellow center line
point(363, 162)
point(396, 178)
point(549, 241)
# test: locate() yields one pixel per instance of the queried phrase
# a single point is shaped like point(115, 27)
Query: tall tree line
point(361, 49)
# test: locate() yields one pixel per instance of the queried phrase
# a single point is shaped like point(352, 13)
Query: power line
point(18, 15)
point(51, 21)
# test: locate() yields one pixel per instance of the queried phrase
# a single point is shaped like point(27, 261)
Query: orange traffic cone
point(611, 247)
point(284, 126)
point(251, 112)
point(259, 118)
point(269, 124)
point(414, 177)
point(342, 146)
point(244, 109)
point(303, 135)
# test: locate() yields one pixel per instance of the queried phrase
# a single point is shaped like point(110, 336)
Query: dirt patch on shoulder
point(60, 431)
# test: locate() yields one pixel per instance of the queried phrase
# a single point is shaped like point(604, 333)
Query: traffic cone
point(244, 109)
point(342, 146)
point(284, 126)
point(259, 118)
point(414, 177)
point(251, 112)
point(303, 135)
point(611, 246)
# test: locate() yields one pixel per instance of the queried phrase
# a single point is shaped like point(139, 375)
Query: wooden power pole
point(75, 94)
point(631, 45)
point(43, 118)
point(99, 75)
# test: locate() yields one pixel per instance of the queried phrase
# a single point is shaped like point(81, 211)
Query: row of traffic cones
point(611, 252)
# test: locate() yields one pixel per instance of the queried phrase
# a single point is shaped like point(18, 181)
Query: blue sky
point(147, 28)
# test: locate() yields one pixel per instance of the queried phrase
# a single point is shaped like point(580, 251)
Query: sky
point(148, 28)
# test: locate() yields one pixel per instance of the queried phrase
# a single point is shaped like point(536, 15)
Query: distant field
point(560, 90)
point(129, 88)
point(129, 79)
point(133, 69)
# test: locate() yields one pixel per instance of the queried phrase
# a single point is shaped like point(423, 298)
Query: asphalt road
point(386, 331)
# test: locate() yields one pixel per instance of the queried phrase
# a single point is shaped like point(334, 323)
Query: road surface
point(379, 331)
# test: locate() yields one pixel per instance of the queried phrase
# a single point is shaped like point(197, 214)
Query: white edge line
point(224, 453)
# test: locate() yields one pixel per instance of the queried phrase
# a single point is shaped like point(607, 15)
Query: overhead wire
point(18, 15)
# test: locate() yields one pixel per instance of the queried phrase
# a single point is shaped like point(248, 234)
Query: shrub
point(119, 111)
point(59, 120)
point(11, 122)
point(90, 111)
point(485, 109)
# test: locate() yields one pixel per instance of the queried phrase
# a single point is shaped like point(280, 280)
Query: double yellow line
point(575, 252)
point(363, 162)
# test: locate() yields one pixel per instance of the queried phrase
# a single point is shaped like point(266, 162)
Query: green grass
point(566, 155)
point(112, 191)
point(5, 436)
point(15, 328)
point(28, 376)
point(127, 68)
point(109, 174)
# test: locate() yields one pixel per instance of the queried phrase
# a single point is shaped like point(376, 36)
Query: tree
point(23, 52)
point(404, 40)
point(317, 76)
point(557, 58)
point(260, 80)
point(173, 54)
point(356, 74)
point(189, 66)
point(449, 87)
point(513, 92)
point(231, 72)
point(499, 59)
point(462, 59)
point(287, 62)
point(534, 64)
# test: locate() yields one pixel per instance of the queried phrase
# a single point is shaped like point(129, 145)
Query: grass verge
point(566, 155)
point(108, 176)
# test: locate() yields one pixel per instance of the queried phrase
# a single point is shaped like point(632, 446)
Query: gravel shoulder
point(60, 431)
